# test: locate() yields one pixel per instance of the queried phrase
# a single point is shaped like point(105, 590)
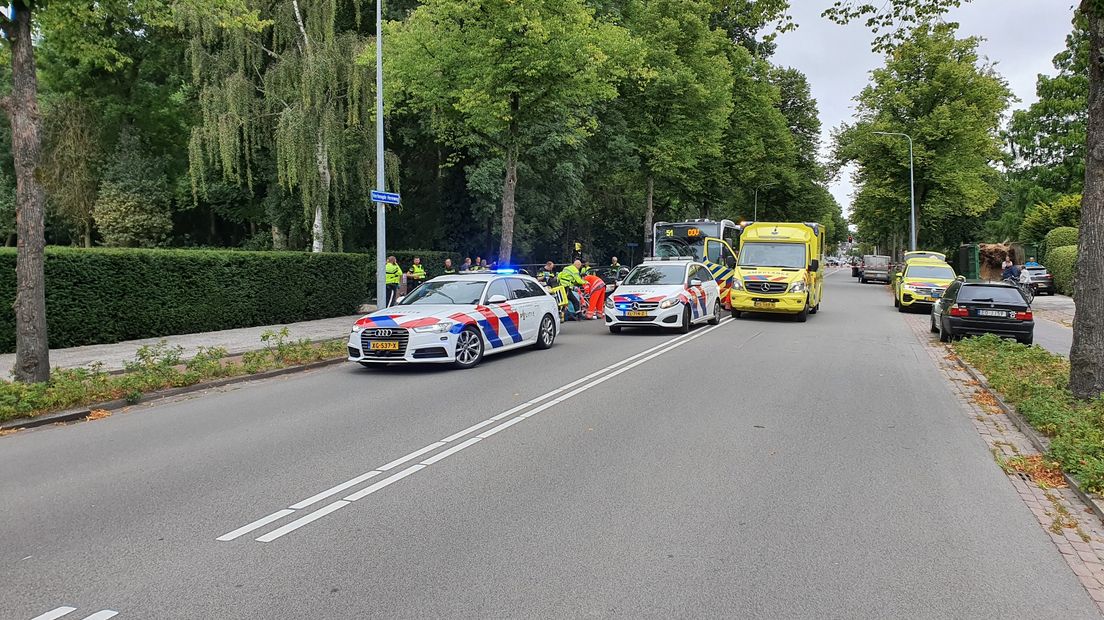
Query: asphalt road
point(759, 469)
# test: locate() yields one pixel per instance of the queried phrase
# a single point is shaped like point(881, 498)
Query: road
point(759, 469)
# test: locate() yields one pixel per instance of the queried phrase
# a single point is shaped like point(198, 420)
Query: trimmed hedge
point(1058, 238)
point(1062, 262)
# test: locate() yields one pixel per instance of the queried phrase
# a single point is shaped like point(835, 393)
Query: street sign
point(386, 198)
point(632, 245)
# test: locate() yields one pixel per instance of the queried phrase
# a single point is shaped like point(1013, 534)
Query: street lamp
point(381, 214)
point(912, 187)
point(755, 216)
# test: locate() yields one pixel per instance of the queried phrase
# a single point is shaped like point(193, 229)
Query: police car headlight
point(798, 287)
point(609, 303)
point(669, 303)
point(438, 328)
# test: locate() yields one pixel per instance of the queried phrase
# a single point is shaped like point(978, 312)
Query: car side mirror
point(961, 278)
point(898, 274)
point(496, 299)
point(695, 282)
point(398, 300)
point(814, 265)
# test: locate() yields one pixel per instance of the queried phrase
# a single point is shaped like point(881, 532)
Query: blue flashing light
point(506, 271)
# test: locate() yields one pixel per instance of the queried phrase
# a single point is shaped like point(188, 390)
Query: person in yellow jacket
point(415, 275)
point(393, 277)
point(570, 278)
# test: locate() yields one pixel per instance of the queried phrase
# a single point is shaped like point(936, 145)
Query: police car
point(457, 319)
point(665, 293)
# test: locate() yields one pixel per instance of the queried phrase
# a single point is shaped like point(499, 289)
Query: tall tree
point(499, 77)
point(934, 89)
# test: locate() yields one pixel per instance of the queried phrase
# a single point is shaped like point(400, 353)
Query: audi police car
point(458, 319)
point(665, 293)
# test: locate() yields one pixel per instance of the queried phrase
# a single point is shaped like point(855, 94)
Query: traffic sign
point(632, 245)
point(386, 198)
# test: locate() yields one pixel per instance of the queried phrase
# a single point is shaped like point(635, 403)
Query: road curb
point(73, 415)
point(1040, 442)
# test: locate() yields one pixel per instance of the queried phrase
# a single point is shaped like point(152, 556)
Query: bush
point(1042, 218)
point(126, 219)
point(1057, 238)
point(1062, 261)
point(101, 295)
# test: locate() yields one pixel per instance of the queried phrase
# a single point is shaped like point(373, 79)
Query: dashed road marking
point(572, 389)
point(54, 614)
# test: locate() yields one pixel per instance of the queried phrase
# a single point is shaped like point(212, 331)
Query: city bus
point(709, 241)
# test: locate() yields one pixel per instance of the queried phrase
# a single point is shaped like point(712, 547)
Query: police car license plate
point(385, 345)
point(636, 313)
point(764, 304)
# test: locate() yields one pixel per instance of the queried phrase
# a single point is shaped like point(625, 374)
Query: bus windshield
point(684, 239)
point(785, 255)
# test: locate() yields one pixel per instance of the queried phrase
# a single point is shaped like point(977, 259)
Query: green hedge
point(109, 295)
point(1058, 238)
point(1061, 262)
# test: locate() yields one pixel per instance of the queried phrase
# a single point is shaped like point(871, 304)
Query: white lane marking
point(410, 457)
point(365, 492)
point(54, 614)
point(453, 450)
point(647, 354)
point(102, 615)
point(334, 490)
point(259, 523)
point(301, 521)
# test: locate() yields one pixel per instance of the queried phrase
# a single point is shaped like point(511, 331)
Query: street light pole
point(755, 216)
point(912, 188)
point(381, 214)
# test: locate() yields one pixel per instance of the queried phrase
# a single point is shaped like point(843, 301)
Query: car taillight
point(956, 311)
point(1024, 316)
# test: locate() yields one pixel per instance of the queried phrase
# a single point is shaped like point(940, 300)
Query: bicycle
point(1025, 289)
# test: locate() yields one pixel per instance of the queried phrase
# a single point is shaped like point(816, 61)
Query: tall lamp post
point(381, 214)
point(755, 216)
point(912, 187)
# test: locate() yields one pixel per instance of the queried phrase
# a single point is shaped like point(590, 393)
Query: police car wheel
point(685, 327)
point(716, 318)
point(547, 333)
point(615, 329)
point(469, 348)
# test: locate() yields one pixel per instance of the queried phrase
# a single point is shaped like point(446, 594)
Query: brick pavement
point(1077, 534)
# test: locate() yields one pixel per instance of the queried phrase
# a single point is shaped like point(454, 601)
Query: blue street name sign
point(386, 198)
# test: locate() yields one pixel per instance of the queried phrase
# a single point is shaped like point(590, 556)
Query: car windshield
point(446, 292)
point(656, 274)
point(998, 294)
point(786, 255)
point(930, 271)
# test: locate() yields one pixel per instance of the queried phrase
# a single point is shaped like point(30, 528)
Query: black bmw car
point(973, 308)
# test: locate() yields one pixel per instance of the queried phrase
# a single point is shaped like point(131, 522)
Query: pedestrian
point(1031, 262)
point(415, 276)
point(449, 269)
point(393, 278)
point(466, 265)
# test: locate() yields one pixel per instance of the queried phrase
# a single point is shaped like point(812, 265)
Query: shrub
point(102, 295)
point(1042, 218)
point(1057, 238)
point(1062, 262)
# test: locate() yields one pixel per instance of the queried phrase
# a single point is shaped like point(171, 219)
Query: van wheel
point(815, 309)
point(802, 316)
point(896, 302)
point(716, 318)
point(685, 328)
point(735, 313)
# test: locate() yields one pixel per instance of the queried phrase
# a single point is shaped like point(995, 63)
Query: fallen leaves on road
point(4, 432)
point(98, 414)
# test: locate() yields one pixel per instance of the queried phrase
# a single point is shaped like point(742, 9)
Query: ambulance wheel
point(896, 302)
point(802, 316)
point(716, 319)
point(547, 333)
point(615, 329)
point(685, 327)
point(469, 348)
point(735, 313)
point(815, 309)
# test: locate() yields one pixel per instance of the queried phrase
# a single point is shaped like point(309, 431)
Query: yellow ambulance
point(779, 269)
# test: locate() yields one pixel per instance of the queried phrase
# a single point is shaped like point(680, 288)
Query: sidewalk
point(113, 356)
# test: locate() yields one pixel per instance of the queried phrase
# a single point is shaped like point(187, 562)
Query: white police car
point(458, 319)
point(665, 293)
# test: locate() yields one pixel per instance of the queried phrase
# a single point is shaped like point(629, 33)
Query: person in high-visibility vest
point(449, 269)
point(477, 265)
point(415, 275)
point(393, 278)
point(548, 274)
point(570, 278)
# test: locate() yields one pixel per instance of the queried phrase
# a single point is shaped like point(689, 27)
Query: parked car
point(1041, 280)
point(875, 268)
point(972, 308)
point(611, 279)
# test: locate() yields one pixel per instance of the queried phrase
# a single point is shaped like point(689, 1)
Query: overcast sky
point(1022, 36)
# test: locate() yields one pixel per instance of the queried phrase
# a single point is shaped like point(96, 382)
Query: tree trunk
point(509, 189)
point(649, 215)
point(32, 352)
point(279, 239)
point(87, 232)
point(318, 229)
point(1087, 353)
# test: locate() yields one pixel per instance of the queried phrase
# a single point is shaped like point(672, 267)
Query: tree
point(72, 162)
point(133, 207)
point(679, 112)
point(934, 89)
point(1045, 217)
point(498, 77)
point(1087, 353)
point(66, 19)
